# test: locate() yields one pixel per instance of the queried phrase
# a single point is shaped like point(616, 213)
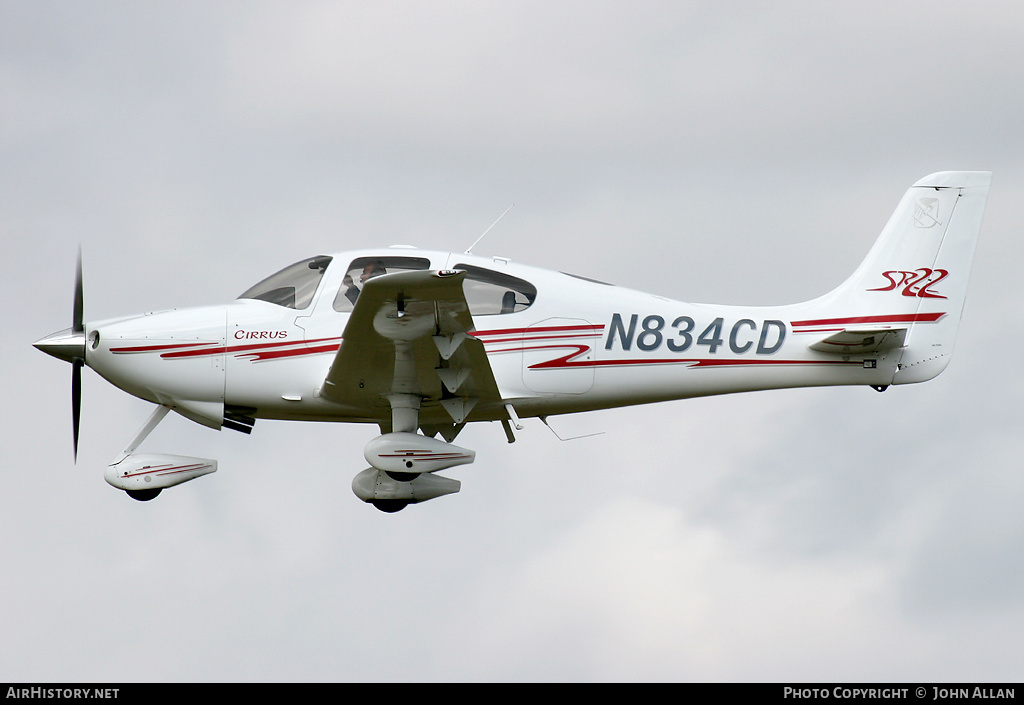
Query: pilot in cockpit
point(371, 270)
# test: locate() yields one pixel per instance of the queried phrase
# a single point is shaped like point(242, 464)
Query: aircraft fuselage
point(578, 345)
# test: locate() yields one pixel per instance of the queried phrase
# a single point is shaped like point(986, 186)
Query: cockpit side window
point(490, 293)
point(293, 286)
point(365, 268)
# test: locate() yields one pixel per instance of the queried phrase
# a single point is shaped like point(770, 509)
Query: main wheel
point(390, 505)
point(144, 495)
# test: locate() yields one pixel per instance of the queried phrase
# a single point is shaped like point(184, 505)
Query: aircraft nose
point(67, 345)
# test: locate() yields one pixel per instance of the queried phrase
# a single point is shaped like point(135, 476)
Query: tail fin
point(914, 279)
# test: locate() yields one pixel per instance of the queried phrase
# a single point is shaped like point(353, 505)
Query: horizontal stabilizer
point(855, 341)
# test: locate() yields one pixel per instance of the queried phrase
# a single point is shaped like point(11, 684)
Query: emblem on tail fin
point(926, 213)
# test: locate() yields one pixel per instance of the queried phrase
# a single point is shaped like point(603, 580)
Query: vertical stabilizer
point(915, 276)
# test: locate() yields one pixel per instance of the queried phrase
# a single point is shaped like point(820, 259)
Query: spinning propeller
point(69, 345)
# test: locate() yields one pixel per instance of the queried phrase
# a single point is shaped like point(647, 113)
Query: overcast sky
point(731, 152)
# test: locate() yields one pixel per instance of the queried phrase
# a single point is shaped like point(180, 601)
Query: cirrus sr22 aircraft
point(422, 343)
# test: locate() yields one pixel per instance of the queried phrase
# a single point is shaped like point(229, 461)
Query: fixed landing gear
point(143, 475)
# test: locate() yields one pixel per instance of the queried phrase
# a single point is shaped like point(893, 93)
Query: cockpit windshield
point(293, 286)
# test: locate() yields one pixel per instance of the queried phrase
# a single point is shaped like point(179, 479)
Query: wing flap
point(856, 341)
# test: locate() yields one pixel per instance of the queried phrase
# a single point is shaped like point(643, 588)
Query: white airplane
point(422, 343)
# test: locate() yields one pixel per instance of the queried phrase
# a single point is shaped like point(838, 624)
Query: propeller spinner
point(69, 345)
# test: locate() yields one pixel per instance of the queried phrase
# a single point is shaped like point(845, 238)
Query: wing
point(409, 334)
point(853, 341)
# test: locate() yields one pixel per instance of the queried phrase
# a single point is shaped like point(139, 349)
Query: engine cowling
point(147, 472)
point(405, 452)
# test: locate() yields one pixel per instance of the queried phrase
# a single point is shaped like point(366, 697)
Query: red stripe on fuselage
point(256, 351)
point(158, 348)
point(894, 318)
point(540, 329)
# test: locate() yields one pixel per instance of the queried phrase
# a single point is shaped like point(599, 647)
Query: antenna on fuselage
point(469, 251)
